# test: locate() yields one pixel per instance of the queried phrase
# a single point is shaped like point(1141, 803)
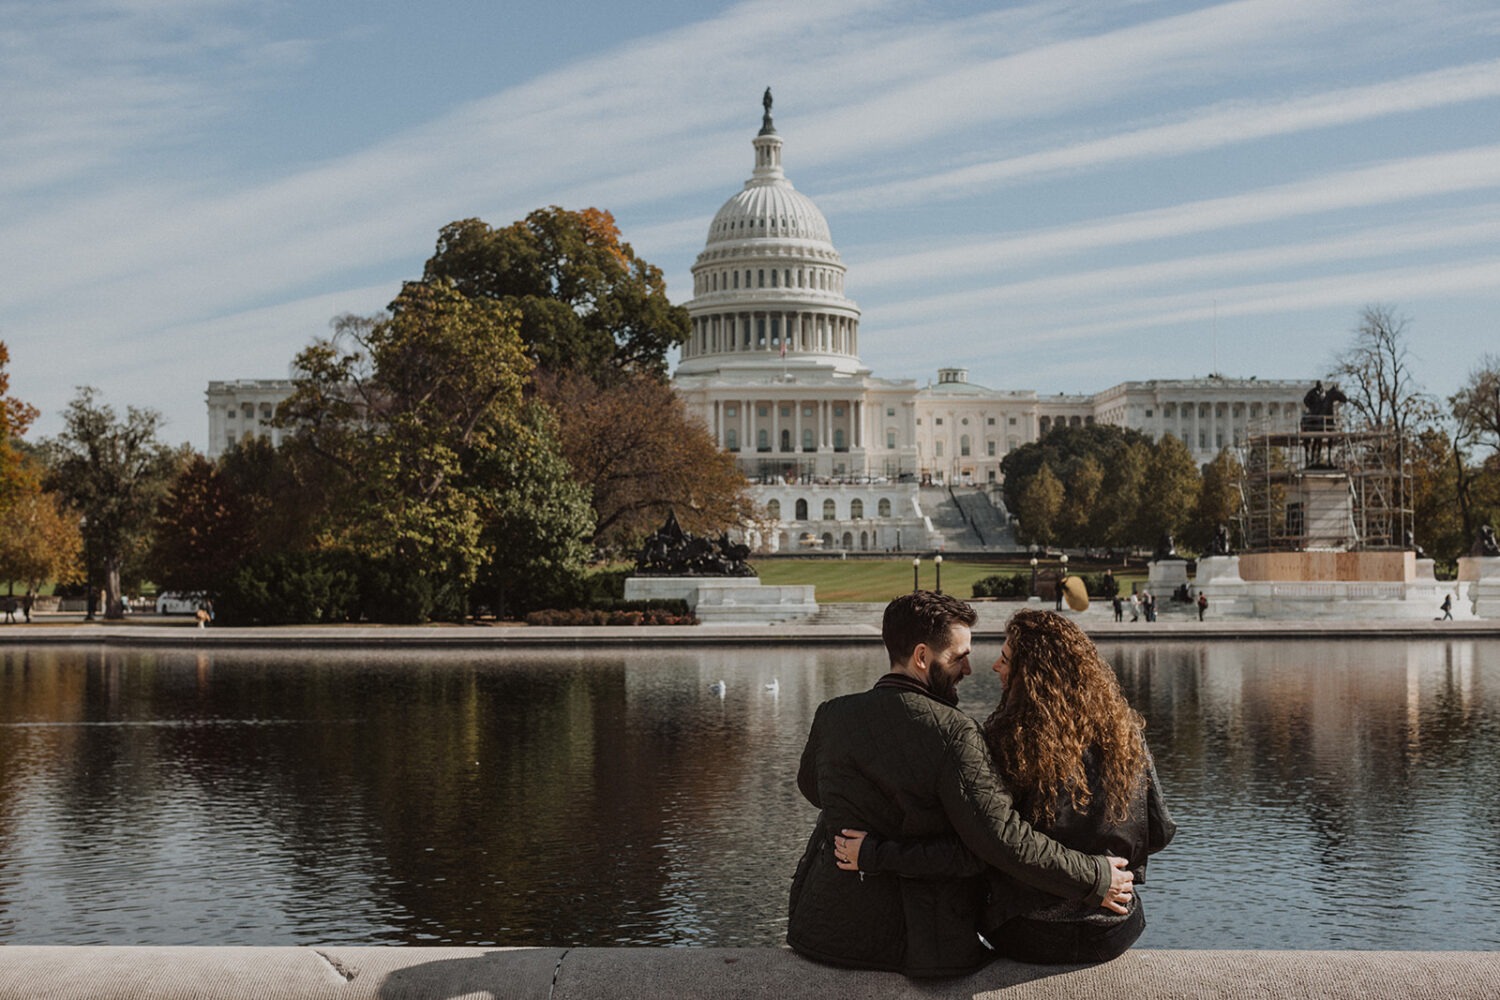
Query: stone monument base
point(1479, 582)
point(1368, 586)
point(1164, 576)
point(726, 600)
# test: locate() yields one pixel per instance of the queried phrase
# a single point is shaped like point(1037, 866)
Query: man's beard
point(944, 685)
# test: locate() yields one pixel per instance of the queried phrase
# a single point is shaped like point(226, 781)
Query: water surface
point(1330, 795)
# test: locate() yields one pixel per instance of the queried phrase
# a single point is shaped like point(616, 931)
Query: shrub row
point(1018, 585)
point(332, 586)
point(595, 616)
point(1015, 585)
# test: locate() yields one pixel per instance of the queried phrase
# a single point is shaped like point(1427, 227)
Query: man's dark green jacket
point(900, 763)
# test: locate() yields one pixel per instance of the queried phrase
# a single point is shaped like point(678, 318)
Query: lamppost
point(916, 566)
point(938, 559)
point(1033, 576)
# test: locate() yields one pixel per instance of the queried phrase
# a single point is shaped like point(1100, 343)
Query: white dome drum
point(768, 287)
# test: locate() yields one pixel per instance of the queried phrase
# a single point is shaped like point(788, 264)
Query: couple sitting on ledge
point(940, 845)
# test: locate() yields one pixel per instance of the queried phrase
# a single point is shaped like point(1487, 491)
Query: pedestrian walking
point(1202, 604)
point(1119, 607)
point(1448, 607)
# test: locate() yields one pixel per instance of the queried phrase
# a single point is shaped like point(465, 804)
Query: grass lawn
point(871, 579)
point(839, 580)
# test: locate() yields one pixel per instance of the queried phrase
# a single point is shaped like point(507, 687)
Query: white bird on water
point(717, 687)
point(775, 686)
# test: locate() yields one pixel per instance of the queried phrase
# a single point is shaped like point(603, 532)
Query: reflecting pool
point(1330, 795)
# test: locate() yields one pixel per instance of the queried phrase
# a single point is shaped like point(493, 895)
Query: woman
point(1070, 748)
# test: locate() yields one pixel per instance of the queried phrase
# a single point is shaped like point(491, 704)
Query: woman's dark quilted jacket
point(901, 764)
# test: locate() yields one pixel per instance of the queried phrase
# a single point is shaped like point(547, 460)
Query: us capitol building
point(838, 458)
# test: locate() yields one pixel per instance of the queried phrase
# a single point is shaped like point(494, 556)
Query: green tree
point(1081, 524)
point(16, 417)
point(1125, 497)
point(537, 533)
point(1476, 418)
point(421, 421)
point(41, 541)
point(203, 530)
point(641, 454)
point(585, 302)
point(1170, 493)
point(260, 478)
point(112, 471)
point(1476, 406)
point(1040, 508)
point(1061, 449)
point(1443, 494)
point(1218, 501)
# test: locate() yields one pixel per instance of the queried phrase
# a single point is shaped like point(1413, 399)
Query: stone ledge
point(1176, 625)
point(389, 973)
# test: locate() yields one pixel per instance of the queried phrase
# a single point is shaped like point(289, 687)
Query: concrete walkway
point(856, 623)
point(334, 973)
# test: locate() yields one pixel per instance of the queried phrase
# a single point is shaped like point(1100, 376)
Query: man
point(901, 761)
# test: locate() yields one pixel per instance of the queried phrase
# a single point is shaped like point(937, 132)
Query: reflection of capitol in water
point(608, 797)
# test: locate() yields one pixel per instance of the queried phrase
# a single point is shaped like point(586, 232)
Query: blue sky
point(1057, 195)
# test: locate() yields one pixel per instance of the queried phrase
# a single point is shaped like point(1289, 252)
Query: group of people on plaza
point(941, 843)
point(1141, 602)
point(11, 604)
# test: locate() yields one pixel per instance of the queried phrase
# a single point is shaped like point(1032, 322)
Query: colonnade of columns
point(763, 331)
point(1205, 430)
point(825, 422)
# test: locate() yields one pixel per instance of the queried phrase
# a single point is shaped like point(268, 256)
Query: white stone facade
point(243, 408)
point(878, 516)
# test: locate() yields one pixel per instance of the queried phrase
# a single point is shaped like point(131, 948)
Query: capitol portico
point(838, 458)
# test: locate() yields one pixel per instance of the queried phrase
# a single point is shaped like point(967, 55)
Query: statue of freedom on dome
point(766, 128)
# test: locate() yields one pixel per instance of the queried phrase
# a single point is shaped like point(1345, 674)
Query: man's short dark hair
point(922, 617)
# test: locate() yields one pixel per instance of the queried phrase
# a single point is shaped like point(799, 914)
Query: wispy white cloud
point(1476, 226)
point(1413, 178)
point(121, 216)
point(1214, 128)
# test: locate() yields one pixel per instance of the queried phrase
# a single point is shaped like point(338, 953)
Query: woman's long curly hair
point(1060, 700)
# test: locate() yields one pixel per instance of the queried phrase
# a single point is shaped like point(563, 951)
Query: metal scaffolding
point(1323, 486)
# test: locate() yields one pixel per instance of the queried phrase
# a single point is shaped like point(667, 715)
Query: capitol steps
point(966, 520)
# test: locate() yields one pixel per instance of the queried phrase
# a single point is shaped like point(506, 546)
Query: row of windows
point(965, 447)
point(738, 225)
point(763, 440)
point(828, 541)
point(735, 225)
point(785, 409)
point(267, 411)
point(744, 332)
point(821, 278)
point(1047, 423)
point(830, 509)
point(1185, 411)
point(730, 410)
point(964, 422)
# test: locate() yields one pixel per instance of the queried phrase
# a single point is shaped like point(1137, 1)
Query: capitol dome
point(769, 284)
point(769, 207)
